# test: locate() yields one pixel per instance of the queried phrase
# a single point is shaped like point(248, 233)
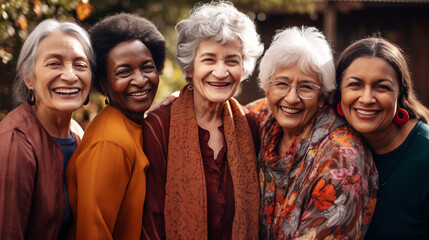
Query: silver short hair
point(222, 22)
point(30, 49)
point(305, 46)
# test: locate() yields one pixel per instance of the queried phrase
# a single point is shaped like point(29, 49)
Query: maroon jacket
point(32, 198)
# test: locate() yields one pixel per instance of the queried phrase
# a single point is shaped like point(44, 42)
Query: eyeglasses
point(305, 91)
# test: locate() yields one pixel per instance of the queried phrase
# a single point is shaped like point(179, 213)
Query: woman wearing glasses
point(317, 178)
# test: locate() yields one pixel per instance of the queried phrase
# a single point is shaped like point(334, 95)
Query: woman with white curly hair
point(202, 179)
point(317, 178)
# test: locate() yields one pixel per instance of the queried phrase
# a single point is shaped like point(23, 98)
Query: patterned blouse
point(323, 187)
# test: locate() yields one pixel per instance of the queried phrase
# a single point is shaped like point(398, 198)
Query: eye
point(232, 62)
point(148, 68)
point(307, 87)
point(353, 85)
point(81, 65)
point(280, 84)
point(208, 60)
point(123, 72)
point(54, 63)
point(383, 88)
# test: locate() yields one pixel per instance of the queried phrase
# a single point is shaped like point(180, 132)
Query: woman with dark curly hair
point(106, 175)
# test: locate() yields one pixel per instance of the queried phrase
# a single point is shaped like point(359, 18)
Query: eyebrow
point(299, 82)
point(209, 54)
point(59, 56)
point(378, 81)
point(128, 65)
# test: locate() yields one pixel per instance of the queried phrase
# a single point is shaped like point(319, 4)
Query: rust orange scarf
point(186, 198)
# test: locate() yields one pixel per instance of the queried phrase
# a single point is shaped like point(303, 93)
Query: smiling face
point(292, 112)
point(369, 94)
point(62, 75)
point(217, 71)
point(132, 79)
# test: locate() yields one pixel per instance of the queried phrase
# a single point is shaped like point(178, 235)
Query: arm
point(342, 197)
point(102, 176)
point(17, 177)
point(155, 145)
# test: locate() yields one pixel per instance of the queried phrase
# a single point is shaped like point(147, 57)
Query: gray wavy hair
point(30, 50)
point(305, 46)
point(221, 22)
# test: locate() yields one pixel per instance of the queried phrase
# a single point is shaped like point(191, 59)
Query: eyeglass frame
point(296, 89)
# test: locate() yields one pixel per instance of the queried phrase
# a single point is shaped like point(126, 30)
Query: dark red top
point(220, 193)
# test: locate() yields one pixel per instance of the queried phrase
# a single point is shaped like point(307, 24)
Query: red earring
point(340, 110)
point(401, 121)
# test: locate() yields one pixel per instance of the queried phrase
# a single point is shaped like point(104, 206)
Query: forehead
point(295, 72)
point(129, 51)
point(215, 48)
point(62, 44)
point(371, 69)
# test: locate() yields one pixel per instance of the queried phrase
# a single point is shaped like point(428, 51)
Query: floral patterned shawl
point(323, 187)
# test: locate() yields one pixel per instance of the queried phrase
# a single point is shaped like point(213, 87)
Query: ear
point(190, 73)
point(29, 83)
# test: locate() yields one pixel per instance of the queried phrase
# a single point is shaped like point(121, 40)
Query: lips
point(290, 110)
point(366, 112)
point(218, 84)
point(66, 90)
point(140, 93)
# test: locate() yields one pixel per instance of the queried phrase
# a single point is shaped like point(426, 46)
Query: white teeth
point(139, 93)
point(218, 84)
point(66, 90)
point(289, 110)
point(366, 112)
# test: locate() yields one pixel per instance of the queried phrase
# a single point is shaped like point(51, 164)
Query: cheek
point(237, 73)
point(154, 79)
point(273, 101)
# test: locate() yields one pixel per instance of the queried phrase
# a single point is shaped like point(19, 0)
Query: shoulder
point(422, 130)
point(260, 109)
point(18, 119)
point(345, 135)
point(157, 120)
point(22, 123)
point(346, 147)
point(109, 126)
point(419, 145)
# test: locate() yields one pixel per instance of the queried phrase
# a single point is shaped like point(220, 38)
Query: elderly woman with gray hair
point(317, 178)
point(38, 138)
point(202, 179)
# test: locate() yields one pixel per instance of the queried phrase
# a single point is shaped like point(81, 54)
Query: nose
point(69, 73)
point(292, 96)
point(139, 79)
point(367, 96)
point(220, 70)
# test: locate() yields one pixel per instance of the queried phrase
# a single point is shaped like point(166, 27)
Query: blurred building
point(404, 22)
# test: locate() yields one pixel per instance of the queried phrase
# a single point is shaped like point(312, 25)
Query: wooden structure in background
point(404, 22)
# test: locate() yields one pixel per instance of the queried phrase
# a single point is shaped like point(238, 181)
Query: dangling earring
point(86, 101)
point(106, 101)
point(405, 116)
point(340, 110)
point(31, 98)
point(190, 87)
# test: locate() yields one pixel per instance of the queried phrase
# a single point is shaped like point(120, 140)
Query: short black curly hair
point(122, 27)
